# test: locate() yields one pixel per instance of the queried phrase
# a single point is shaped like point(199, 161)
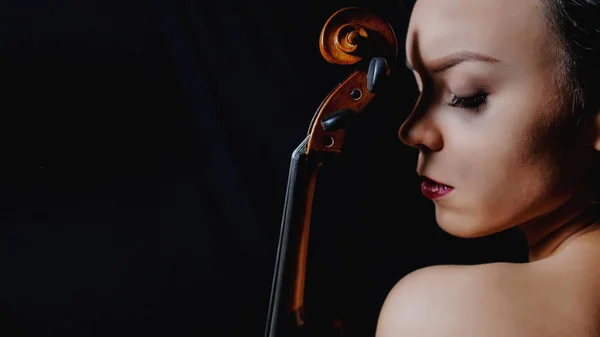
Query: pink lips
point(434, 190)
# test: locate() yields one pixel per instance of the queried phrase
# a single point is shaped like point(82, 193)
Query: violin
point(351, 36)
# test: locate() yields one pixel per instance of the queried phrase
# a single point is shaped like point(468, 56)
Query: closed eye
point(473, 102)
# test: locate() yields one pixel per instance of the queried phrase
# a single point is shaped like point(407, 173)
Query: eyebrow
point(452, 60)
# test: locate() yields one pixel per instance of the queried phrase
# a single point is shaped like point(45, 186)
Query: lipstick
point(434, 190)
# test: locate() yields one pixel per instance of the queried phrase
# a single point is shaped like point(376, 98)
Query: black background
point(145, 149)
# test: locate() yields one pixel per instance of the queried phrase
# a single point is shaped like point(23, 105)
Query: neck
point(552, 232)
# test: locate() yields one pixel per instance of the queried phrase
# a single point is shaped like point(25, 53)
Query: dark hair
point(576, 25)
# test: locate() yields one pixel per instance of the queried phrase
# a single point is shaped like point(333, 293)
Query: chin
point(462, 225)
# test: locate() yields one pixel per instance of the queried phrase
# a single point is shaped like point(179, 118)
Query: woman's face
point(490, 121)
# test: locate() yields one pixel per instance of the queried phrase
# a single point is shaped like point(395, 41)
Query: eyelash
point(472, 102)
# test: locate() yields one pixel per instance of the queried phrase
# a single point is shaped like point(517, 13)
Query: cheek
point(497, 190)
point(489, 153)
point(511, 163)
point(514, 141)
point(504, 173)
point(508, 168)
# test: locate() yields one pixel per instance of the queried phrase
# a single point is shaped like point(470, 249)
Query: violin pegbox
point(376, 79)
point(351, 36)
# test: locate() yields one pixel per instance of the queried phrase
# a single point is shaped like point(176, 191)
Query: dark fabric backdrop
point(145, 149)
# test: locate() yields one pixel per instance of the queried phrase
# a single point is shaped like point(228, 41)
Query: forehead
point(503, 29)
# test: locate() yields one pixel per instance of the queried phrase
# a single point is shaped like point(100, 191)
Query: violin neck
point(285, 307)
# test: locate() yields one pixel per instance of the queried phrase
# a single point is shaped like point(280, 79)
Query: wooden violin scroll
point(349, 36)
point(352, 34)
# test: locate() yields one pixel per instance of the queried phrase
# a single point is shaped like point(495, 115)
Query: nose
point(420, 130)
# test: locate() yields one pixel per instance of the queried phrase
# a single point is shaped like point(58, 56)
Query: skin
point(518, 160)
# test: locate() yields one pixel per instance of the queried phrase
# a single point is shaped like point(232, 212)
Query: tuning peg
point(377, 73)
point(337, 120)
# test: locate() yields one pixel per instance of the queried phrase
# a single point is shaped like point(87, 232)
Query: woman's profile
point(507, 128)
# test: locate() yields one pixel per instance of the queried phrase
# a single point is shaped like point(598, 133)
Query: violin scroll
point(352, 34)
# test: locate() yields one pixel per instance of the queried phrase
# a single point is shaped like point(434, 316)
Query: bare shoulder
point(559, 296)
point(491, 300)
